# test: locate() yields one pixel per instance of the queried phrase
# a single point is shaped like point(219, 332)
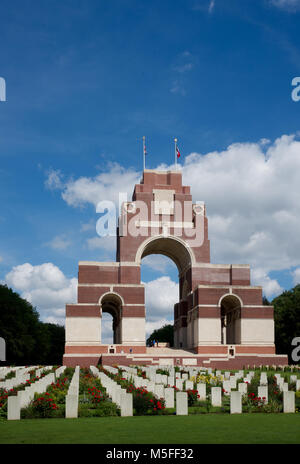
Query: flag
point(145, 151)
point(178, 152)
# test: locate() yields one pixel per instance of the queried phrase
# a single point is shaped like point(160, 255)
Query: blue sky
point(87, 79)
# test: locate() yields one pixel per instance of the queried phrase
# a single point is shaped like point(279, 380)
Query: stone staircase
point(172, 352)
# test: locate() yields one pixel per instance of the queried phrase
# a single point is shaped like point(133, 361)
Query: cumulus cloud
point(104, 186)
point(296, 276)
point(161, 295)
point(251, 192)
point(45, 287)
point(271, 286)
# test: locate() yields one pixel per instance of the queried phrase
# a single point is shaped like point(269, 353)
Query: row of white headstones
point(24, 397)
point(160, 385)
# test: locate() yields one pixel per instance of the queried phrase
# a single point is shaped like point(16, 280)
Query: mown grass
point(201, 429)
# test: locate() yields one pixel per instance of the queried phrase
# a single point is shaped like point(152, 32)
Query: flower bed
point(93, 399)
point(4, 393)
point(52, 402)
point(144, 402)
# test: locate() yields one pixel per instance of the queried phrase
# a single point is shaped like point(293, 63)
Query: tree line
point(28, 340)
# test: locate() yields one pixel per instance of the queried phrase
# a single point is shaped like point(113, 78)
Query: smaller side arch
point(230, 312)
point(230, 295)
point(112, 303)
point(114, 296)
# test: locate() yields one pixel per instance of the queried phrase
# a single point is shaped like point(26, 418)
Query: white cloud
point(104, 186)
point(161, 294)
point(155, 325)
point(1, 259)
point(288, 5)
point(270, 286)
point(158, 263)
point(252, 202)
point(45, 287)
point(54, 179)
point(60, 242)
point(106, 329)
point(296, 276)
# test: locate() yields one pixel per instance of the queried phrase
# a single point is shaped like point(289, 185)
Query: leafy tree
point(28, 340)
point(287, 319)
point(164, 335)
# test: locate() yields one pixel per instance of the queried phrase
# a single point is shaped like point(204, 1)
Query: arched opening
point(111, 303)
point(166, 273)
point(230, 320)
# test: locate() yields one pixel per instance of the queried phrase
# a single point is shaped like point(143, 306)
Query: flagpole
point(175, 140)
point(144, 152)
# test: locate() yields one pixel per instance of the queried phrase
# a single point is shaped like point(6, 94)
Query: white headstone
point(181, 404)
point(189, 385)
point(262, 392)
point(201, 387)
point(71, 406)
point(169, 397)
point(159, 390)
point(171, 381)
point(288, 401)
point(126, 404)
point(179, 384)
point(227, 387)
point(216, 396)
point(242, 388)
point(13, 408)
point(263, 378)
point(285, 387)
point(232, 382)
point(235, 402)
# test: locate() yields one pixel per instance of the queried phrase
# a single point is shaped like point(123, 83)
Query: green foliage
point(164, 335)
point(287, 320)
point(102, 410)
point(28, 340)
point(192, 397)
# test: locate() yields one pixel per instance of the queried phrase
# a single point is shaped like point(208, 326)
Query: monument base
point(216, 357)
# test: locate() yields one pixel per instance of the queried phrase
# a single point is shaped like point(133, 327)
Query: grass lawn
point(206, 428)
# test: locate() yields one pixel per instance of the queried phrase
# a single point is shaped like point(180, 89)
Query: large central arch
point(182, 255)
point(172, 247)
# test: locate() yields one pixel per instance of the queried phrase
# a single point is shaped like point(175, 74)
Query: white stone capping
point(114, 264)
point(240, 287)
point(109, 285)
